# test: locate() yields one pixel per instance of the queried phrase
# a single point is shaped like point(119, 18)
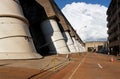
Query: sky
point(87, 17)
point(62, 3)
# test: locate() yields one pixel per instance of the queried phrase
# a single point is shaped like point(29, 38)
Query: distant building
point(96, 46)
point(113, 19)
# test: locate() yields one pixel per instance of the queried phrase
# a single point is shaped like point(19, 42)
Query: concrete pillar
point(75, 44)
point(78, 45)
point(81, 48)
point(70, 43)
point(54, 37)
point(15, 39)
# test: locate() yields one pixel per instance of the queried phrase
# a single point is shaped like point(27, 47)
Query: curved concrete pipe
point(70, 43)
point(76, 44)
point(80, 47)
point(54, 37)
point(15, 39)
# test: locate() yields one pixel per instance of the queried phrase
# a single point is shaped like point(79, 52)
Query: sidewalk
point(27, 69)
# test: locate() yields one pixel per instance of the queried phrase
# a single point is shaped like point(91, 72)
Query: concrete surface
point(80, 66)
point(27, 69)
point(91, 66)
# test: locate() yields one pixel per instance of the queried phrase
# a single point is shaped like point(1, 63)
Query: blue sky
point(88, 13)
point(62, 3)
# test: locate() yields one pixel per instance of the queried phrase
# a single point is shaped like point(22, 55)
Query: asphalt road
point(91, 66)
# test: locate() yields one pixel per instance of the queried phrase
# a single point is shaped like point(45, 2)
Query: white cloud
point(88, 19)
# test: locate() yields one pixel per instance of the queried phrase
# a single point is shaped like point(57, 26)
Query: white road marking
point(77, 67)
point(100, 66)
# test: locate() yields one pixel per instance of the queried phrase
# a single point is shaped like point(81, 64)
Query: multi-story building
point(113, 19)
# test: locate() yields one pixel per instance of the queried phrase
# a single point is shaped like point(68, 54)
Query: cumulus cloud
point(89, 20)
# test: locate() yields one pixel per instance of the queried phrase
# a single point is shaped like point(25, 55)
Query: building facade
point(97, 46)
point(113, 25)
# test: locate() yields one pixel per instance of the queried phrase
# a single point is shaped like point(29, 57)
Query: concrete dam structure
point(31, 28)
point(15, 39)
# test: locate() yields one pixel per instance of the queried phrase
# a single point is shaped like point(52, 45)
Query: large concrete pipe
point(83, 49)
point(75, 44)
point(70, 43)
point(80, 48)
point(15, 39)
point(54, 37)
point(78, 45)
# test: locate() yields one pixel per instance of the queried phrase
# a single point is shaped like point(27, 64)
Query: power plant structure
point(33, 28)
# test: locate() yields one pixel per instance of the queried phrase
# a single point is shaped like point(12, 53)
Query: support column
point(54, 37)
point(70, 43)
point(15, 39)
point(82, 48)
point(78, 45)
point(75, 44)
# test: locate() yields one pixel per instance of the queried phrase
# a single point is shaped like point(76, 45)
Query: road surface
point(91, 66)
point(81, 66)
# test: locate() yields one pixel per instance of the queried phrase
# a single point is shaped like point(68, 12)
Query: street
point(80, 66)
point(91, 66)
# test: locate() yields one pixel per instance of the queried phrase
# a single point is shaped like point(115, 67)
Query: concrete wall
point(95, 45)
point(15, 38)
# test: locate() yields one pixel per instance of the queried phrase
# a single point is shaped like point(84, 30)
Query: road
point(91, 66)
point(80, 66)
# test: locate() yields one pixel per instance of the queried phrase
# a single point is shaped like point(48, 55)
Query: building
point(96, 46)
point(113, 25)
point(31, 28)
